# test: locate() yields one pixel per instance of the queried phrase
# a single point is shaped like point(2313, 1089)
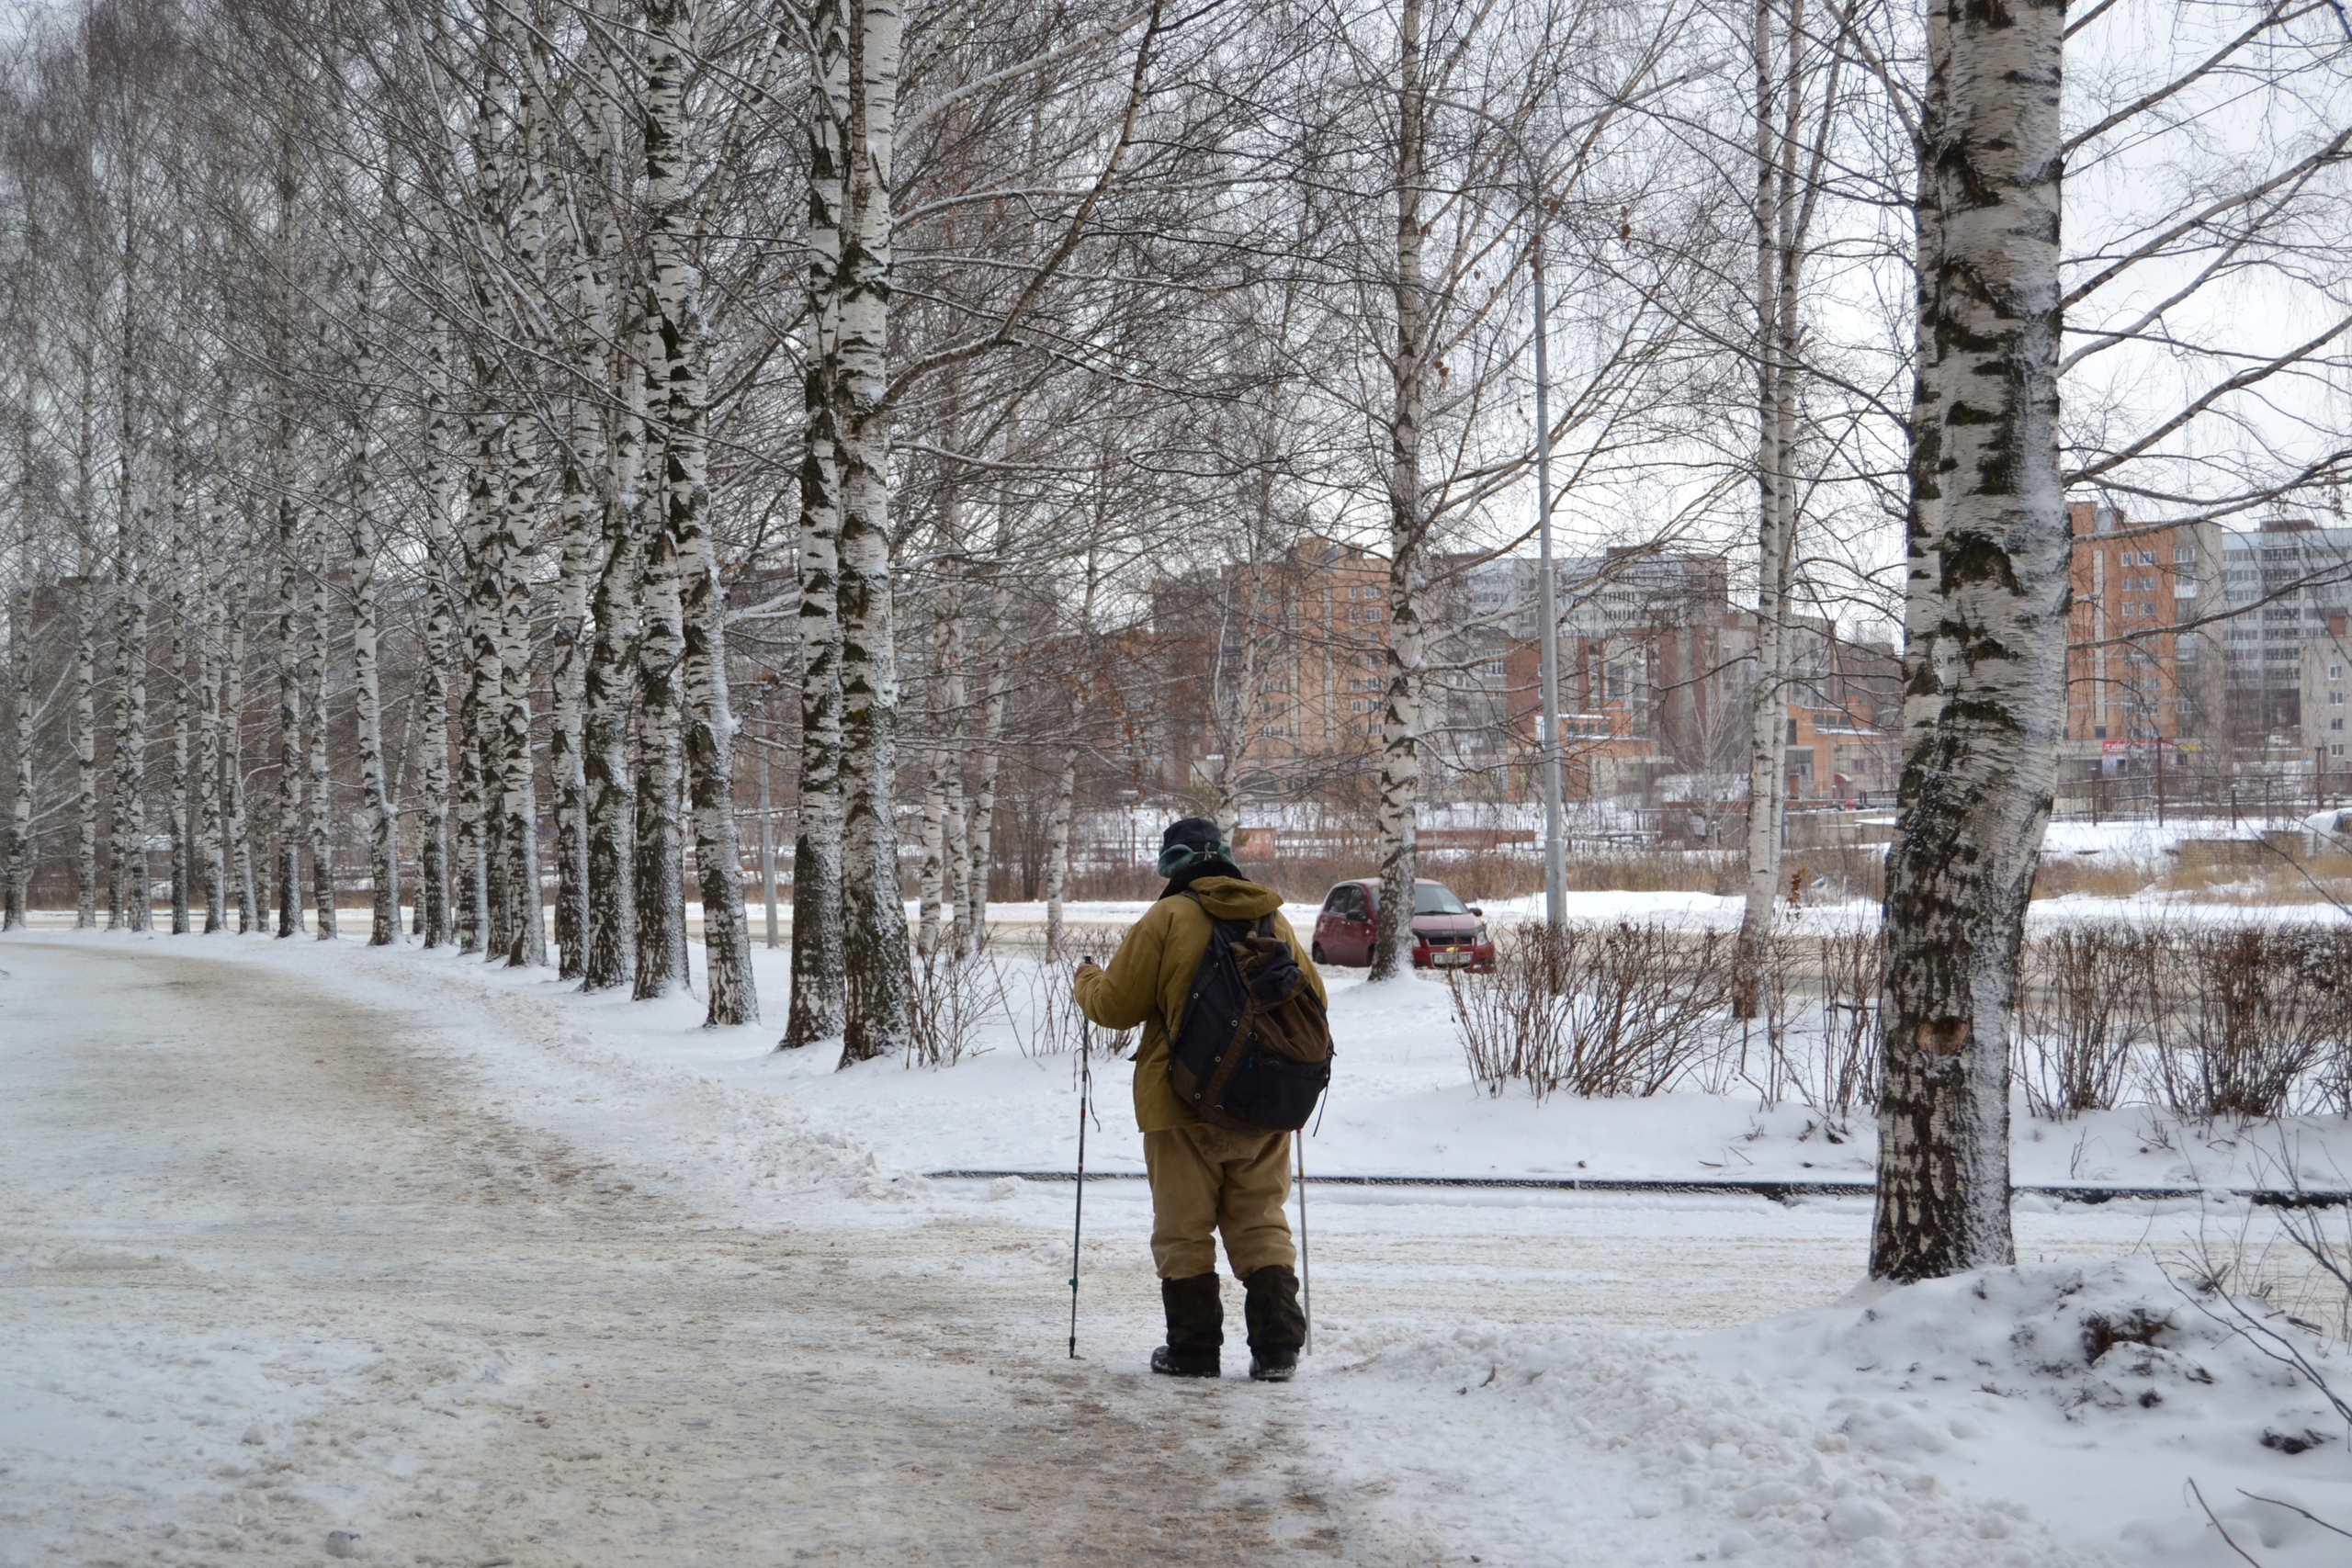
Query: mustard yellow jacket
point(1153, 970)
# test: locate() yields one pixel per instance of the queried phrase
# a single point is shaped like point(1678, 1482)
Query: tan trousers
point(1207, 1182)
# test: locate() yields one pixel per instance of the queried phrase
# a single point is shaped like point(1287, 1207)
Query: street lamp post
point(1547, 723)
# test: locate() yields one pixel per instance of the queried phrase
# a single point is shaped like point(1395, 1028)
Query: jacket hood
point(1234, 897)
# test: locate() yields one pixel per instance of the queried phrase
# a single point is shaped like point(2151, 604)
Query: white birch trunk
point(1400, 766)
point(1987, 596)
point(820, 961)
point(126, 889)
point(518, 821)
point(288, 879)
point(709, 720)
point(236, 823)
point(767, 854)
point(982, 836)
point(608, 792)
point(86, 754)
point(932, 866)
point(661, 842)
point(20, 803)
point(880, 978)
point(1057, 852)
point(607, 768)
point(211, 825)
point(578, 523)
point(321, 783)
point(181, 602)
point(383, 821)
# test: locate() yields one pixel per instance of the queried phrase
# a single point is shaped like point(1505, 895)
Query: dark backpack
point(1254, 1053)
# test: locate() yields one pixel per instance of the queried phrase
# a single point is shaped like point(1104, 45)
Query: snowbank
point(2025, 1416)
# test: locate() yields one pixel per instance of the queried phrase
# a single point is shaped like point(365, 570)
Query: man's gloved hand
point(1087, 965)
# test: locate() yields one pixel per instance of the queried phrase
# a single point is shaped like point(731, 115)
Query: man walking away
point(1205, 1180)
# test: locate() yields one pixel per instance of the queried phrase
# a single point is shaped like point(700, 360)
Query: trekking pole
point(1305, 1279)
point(1077, 1220)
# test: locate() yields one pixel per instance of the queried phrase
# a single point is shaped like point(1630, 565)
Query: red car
point(1447, 934)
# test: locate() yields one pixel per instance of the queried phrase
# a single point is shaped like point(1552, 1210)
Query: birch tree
point(674, 307)
point(1985, 634)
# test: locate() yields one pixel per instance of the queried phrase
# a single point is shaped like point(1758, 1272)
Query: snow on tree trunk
point(442, 617)
point(931, 865)
point(983, 834)
point(383, 822)
point(1986, 603)
point(213, 868)
point(1781, 218)
point(819, 997)
point(288, 876)
point(660, 843)
point(608, 790)
point(577, 523)
point(236, 824)
point(20, 686)
point(183, 795)
point(767, 852)
point(321, 787)
point(518, 819)
point(609, 779)
point(1400, 763)
point(709, 722)
point(1057, 852)
point(127, 891)
point(944, 802)
point(880, 979)
point(86, 750)
point(484, 927)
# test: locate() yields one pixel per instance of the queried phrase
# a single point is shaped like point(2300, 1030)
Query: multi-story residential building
point(2325, 699)
point(1845, 708)
point(1655, 672)
point(1275, 672)
point(2284, 583)
point(1652, 665)
point(2134, 679)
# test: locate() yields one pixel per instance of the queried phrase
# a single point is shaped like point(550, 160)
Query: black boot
point(1277, 1328)
point(1196, 1328)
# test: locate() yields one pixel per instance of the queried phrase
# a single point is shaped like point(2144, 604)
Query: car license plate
point(1455, 958)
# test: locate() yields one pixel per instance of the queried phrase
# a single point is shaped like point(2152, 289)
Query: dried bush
point(1628, 1011)
point(1844, 1076)
point(2254, 1015)
point(952, 997)
point(1052, 1024)
point(2085, 1004)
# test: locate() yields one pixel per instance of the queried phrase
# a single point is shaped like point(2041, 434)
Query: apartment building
point(1655, 672)
point(1274, 672)
point(1845, 714)
point(2323, 696)
point(2140, 673)
point(2285, 585)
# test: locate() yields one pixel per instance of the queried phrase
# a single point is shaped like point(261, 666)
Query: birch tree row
point(457, 447)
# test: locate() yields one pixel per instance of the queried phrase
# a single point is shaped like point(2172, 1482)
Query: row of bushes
point(2205, 1020)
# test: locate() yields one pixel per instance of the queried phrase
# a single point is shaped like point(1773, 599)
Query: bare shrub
point(1052, 1023)
point(2254, 1013)
point(952, 998)
point(1844, 1076)
point(2087, 996)
point(1628, 1011)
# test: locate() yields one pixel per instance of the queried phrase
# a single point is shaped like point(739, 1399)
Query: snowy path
point(300, 1237)
point(272, 1270)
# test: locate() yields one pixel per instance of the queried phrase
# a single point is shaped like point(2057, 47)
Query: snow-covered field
point(299, 1238)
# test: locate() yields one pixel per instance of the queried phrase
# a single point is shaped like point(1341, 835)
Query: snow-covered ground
point(301, 1236)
